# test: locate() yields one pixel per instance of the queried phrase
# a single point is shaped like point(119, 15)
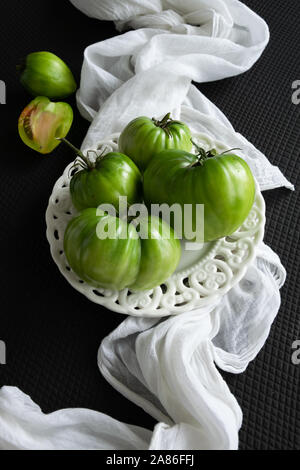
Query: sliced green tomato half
point(43, 122)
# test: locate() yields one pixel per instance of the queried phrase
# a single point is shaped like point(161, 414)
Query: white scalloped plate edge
point(223, 266)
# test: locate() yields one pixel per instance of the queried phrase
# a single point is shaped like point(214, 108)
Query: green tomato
point(109, 262)
point(161, 252)
point(223, 183)
point(143, 138)
point(45, 74)
point(42, 123)
point(104, 182)
point(123, 259)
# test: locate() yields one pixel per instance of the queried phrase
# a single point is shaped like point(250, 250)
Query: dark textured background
point(51, 331)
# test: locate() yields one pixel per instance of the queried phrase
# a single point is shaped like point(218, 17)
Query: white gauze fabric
point(168, 366)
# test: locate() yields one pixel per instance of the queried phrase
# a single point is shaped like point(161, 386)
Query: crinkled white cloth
point(167, 367)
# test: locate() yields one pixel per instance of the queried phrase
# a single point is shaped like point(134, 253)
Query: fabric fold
point(23, 426)
point(126, 76)
point(167, 366)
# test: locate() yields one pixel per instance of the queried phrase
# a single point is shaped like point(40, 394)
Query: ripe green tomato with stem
point(104, 180)
point(143, 138)
point(223, 183)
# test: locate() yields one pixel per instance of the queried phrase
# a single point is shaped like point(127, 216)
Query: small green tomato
point(45, 74)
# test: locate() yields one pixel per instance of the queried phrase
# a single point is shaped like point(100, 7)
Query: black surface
point(51, 331)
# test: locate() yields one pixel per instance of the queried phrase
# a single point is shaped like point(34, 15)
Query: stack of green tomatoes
point(155, 165)
point(139, 254)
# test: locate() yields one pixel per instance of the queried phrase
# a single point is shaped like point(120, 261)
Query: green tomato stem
point(90, 165)
point(164, 123)
point(229, 150)
point(165, 120)
point(204, 155)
